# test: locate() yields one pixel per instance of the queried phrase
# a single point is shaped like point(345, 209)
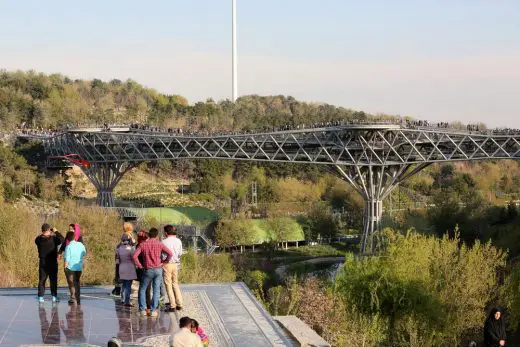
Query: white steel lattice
point(373, 158)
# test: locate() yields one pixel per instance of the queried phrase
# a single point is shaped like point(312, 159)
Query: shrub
point(431, 290)
point(201, 268)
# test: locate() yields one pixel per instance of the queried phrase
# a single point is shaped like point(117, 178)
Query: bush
point(11, 193)
point(201, 268)
point(431, 291)
point(326, 313)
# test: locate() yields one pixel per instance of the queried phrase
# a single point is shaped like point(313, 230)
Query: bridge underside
point(375, 183)
point(105, 177)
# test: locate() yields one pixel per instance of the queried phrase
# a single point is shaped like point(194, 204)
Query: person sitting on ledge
point(184, 337)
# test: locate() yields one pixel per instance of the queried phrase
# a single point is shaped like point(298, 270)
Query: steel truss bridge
point(374, 159)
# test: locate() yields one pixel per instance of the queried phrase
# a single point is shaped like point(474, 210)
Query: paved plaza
point(228, 313)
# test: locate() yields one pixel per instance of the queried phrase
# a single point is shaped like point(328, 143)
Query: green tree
point(431, 291)
point(281, 228)
point(232, 233)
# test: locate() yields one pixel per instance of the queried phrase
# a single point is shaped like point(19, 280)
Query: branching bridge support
point(105, 177)
point(375, 183)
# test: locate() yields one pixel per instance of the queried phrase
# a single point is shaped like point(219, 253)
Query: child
point(126, 269)
point(198, 330)
point(74, 254)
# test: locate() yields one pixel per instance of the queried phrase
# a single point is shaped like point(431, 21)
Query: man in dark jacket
point(48, 244)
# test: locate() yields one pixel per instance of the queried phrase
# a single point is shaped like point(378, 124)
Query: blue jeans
point(155, 276)
point(127, 289)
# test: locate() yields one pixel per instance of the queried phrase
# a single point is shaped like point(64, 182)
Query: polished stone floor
point(228, 313)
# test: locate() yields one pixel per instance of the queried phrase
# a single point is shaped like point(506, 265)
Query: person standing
point(128, 229)
point(184, 337)
point(495, 329)
point(48, 244)
point(126, 268)
point(77, 236)
point(170, 269)
point(152, 251)
point(73, 257)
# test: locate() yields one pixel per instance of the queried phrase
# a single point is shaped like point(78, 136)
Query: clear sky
point(430, 59)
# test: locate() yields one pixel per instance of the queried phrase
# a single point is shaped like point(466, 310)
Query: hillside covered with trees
point(50, 101)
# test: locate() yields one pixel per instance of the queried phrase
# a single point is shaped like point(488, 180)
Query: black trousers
point(50, 270)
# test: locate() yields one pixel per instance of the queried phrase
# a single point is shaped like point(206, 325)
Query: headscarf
point(494, 329)
point(77, 233)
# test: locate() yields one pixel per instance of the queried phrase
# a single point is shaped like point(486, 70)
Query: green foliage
point(281, 228)
point(237, 232)
point(201, 268)
point(431, 291)
point(456, 201)
point(320, 222)
point(11, 193)
point(16, 173)
point(234, 232)
point(326, 313)
point(510, 294)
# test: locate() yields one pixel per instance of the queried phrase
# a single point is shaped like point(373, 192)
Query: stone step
point(301, 332)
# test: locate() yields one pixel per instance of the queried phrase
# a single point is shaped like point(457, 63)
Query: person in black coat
point(495, 329)
point(48, 243)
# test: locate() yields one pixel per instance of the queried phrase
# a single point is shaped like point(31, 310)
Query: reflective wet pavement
point(228, 313)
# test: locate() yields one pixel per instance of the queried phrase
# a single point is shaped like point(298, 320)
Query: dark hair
point(70, 236)
point(184, 322)
point(170, 230)
point(46, 227)
point(72, 225)
point(142, 236)
point(194, 324)
point(153, 233)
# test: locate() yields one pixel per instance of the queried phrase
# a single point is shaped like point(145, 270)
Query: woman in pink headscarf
point(77, 236)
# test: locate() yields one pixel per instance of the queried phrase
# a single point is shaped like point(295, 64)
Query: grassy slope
point(181, 215)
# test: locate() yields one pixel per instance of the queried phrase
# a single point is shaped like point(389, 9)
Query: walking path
point(228, 313)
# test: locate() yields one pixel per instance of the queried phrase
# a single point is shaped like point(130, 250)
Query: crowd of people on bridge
point(23, 130)
point(145, 257)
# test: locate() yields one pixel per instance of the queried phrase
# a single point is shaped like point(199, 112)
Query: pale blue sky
point(437, 60)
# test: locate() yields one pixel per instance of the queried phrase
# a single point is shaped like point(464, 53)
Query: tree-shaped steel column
point(105, 176)
point(375, 183)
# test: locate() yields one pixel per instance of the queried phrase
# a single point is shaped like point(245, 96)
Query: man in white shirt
point(184, 337)
point(171, 269)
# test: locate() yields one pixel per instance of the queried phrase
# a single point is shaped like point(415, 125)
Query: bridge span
point(373, 158)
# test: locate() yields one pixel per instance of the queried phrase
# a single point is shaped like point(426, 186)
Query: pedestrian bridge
point(374, 158)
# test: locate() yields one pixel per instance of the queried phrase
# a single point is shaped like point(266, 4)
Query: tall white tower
point(234, 51)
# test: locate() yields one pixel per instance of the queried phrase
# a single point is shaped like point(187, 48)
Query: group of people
point(154, 263)
point(141, 257)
